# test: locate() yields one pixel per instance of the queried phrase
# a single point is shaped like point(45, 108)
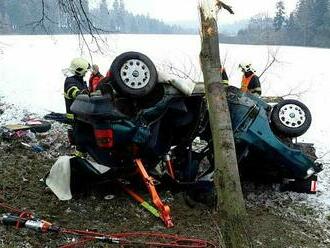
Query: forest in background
point(53, 17)
point(307, 25)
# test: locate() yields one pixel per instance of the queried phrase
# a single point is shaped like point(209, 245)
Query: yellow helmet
point(79, 66)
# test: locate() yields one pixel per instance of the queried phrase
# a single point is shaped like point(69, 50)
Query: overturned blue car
point(138, 120)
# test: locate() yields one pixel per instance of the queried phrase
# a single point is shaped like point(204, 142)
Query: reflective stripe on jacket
point(73, 86)
point(256, 91)
point(72, 92)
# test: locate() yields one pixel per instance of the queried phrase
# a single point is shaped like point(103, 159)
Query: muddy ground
point(21, 185)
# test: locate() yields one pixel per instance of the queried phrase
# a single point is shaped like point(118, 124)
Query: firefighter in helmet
point(250, 81)
point(74, 83)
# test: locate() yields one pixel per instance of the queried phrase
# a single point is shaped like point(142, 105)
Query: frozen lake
point(31, 73)
point(31, 69)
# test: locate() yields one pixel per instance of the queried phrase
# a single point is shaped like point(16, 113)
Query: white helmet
point(246, 67)
point(79, 66)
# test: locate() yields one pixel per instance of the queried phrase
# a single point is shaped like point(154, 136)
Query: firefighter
point(95, 78)
point(250, 81)
point(74, 83)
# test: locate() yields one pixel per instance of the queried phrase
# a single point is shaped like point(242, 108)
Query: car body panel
point(250, 122)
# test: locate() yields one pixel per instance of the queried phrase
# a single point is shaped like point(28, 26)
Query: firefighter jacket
point(251, 83)
point(73, 86)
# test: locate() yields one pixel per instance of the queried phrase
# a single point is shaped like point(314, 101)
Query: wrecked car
point(142, 118)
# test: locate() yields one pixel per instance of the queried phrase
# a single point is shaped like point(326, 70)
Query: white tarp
point(59, 177)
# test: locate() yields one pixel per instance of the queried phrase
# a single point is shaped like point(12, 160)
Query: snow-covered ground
point(31, 78)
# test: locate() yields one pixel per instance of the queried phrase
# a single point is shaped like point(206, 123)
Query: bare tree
point(295, 92)
point(41, 22)
point(184, 69)
point(271, 60)
point(80, 23)
point(226, 177)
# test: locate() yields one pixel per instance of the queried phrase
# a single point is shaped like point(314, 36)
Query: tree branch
point(41, 22)
point(222, 5)
point(271, 59)
point(187, 71)
point(81, 23)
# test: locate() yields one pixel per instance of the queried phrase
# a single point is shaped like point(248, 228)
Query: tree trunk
point(226, 177)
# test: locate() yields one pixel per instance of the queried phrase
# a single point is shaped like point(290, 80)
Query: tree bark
point(226, 176)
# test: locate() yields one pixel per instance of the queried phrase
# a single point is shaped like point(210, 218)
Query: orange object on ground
point(129, 239)
point(164, 210)
point(169, 166)
point(140, 200)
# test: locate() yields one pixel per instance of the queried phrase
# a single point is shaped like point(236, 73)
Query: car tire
point(290, 118)
point(134, 74)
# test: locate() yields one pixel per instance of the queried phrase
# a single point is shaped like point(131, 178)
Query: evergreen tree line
point(31, 17)
point(307, 25)
point(116, 18)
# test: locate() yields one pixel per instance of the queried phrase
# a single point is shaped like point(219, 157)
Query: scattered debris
point(25, 219)
point(34, 147)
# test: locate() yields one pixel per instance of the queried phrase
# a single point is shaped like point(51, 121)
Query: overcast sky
point(186, 10)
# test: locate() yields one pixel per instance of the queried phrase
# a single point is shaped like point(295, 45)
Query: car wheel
point(134, 74)
point(290, 118)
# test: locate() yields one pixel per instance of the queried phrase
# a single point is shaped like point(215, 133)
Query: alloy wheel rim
point(135, 74)
point(292, 115)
